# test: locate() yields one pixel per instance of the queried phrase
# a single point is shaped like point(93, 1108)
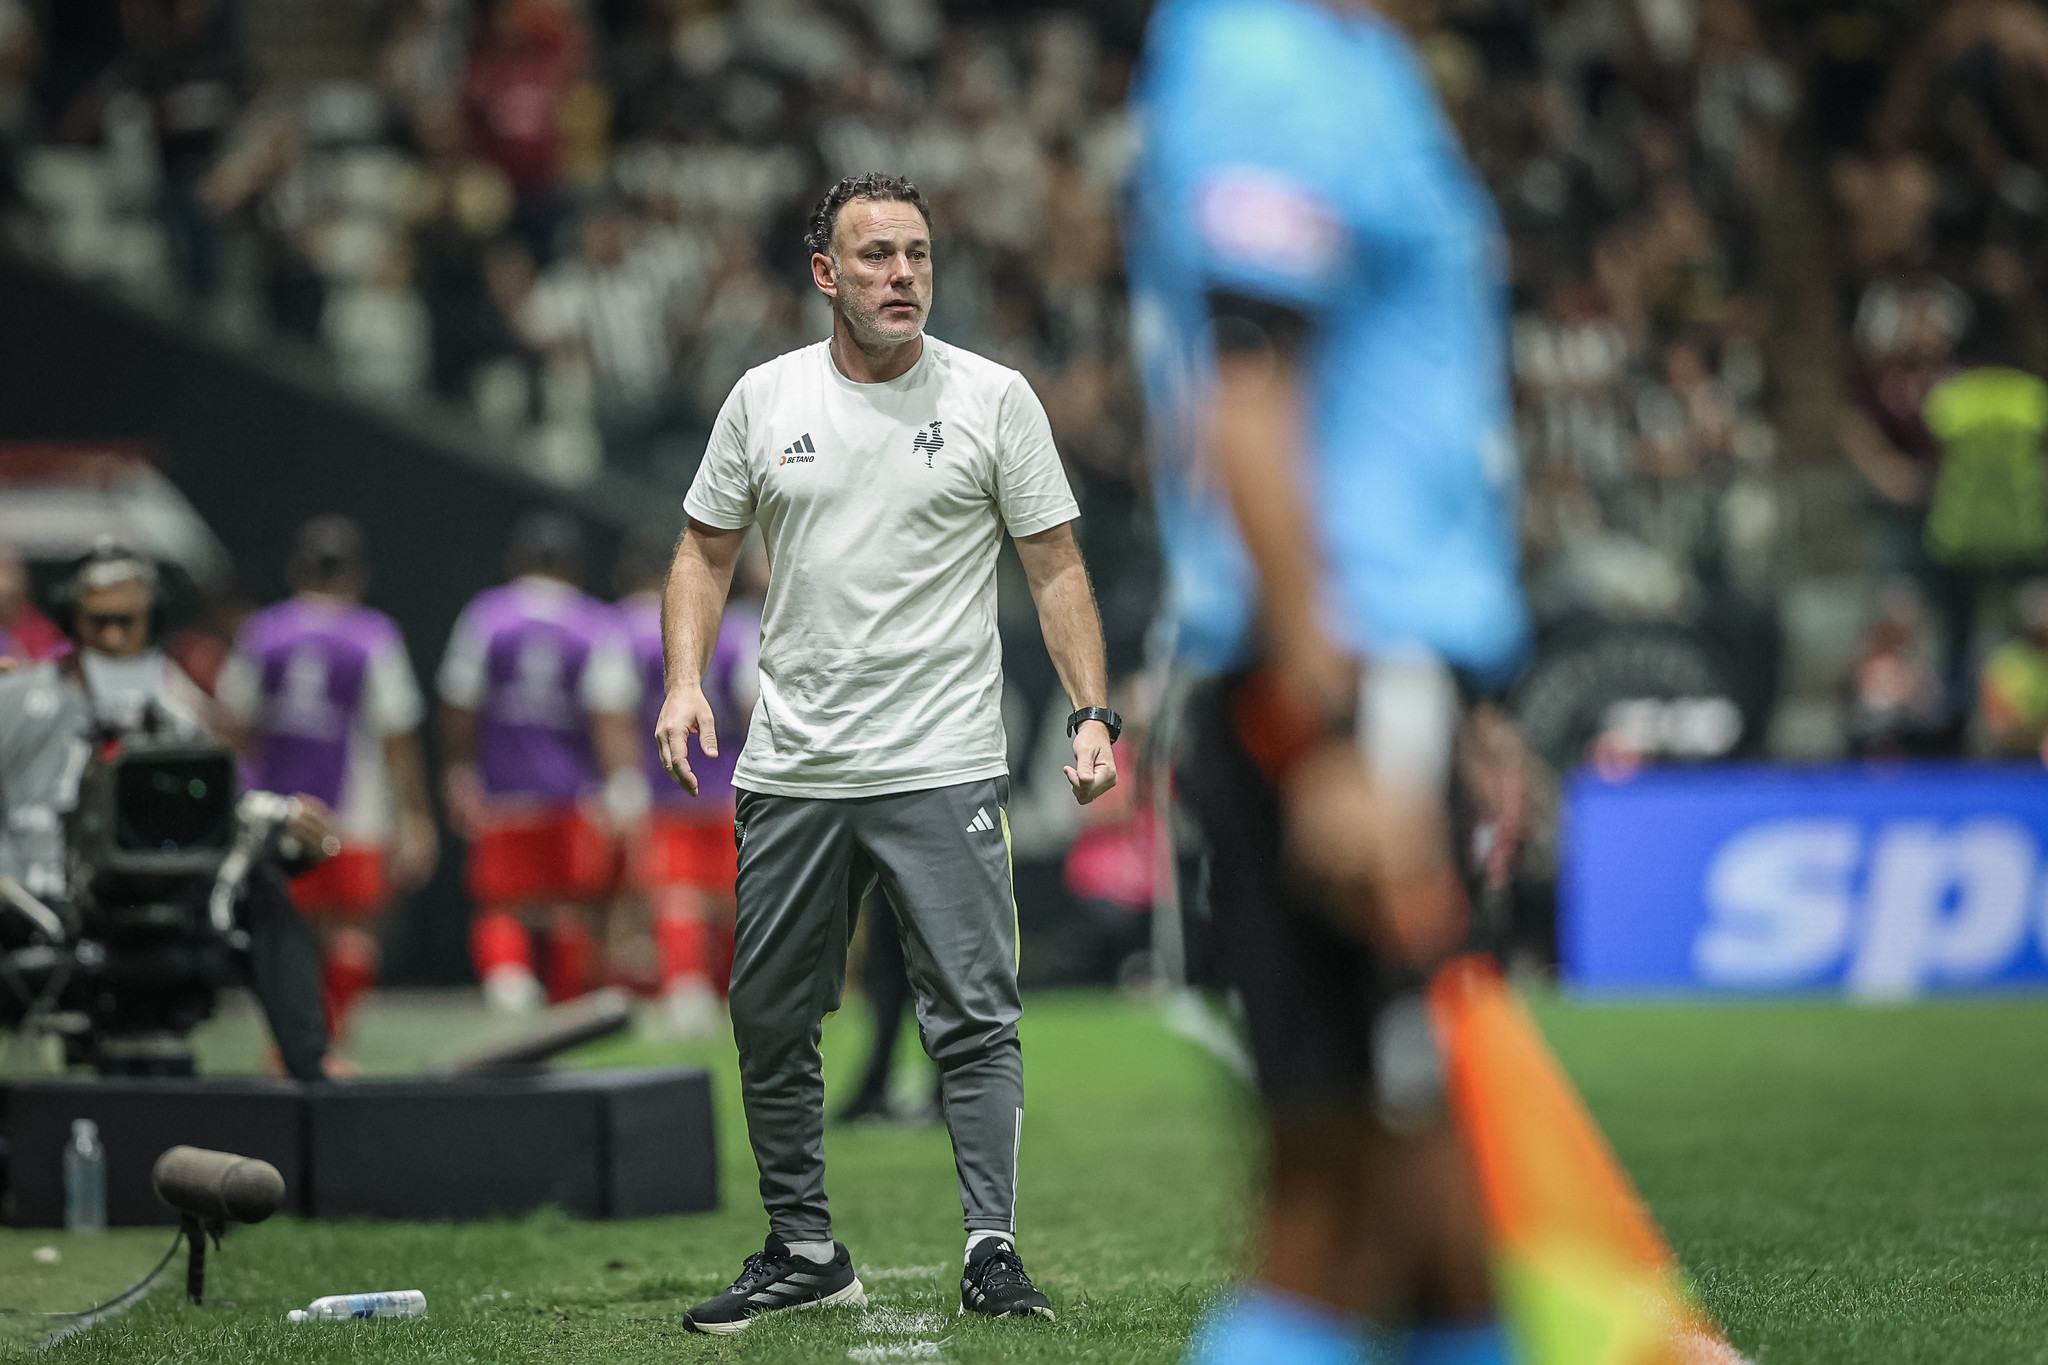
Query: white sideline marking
point(902, 1350)
point(898, 1323)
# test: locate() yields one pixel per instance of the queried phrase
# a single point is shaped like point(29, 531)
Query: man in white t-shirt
point(883, 467)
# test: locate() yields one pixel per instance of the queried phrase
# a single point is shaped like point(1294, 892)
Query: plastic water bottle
point(85, 1179)
point(385, 1303)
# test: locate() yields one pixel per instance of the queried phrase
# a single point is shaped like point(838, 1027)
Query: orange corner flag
point(1585, 1277)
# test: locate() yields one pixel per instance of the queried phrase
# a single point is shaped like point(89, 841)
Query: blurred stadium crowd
point(1747, 242)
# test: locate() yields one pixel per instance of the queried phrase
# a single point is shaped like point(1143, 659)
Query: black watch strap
point(1109, 718)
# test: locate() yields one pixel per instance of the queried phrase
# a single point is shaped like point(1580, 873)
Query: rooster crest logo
point(930, 441)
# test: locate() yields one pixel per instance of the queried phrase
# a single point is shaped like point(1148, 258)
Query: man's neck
point(872, 366)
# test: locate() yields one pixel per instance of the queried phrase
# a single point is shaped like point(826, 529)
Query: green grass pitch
point(1845, 1184)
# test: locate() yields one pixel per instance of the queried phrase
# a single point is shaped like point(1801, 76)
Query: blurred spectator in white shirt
point(612, 310)
point(379, 331)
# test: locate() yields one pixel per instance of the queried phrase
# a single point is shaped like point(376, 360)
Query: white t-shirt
point(123, 690)
point(883, 506)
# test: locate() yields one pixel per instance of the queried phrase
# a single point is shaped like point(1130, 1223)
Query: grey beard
point(867, 327)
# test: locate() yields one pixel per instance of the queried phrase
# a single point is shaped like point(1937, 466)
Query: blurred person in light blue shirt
point(1295, 157)
point(1319, 308)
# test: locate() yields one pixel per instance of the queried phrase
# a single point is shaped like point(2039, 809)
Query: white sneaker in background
point(688, 1011)
point(512, 990)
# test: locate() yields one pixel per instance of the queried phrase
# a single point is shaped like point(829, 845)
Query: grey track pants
point(805, 865)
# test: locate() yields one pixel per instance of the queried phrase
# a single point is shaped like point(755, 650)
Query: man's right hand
point(685, 712)
point(1381, 856)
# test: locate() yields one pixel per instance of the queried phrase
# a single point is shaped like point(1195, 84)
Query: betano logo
point(1891, 908)
point(799, 452)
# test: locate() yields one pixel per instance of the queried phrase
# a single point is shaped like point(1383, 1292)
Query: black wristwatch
point(1109, 718)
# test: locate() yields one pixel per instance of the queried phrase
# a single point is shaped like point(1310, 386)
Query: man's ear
point(825, 274)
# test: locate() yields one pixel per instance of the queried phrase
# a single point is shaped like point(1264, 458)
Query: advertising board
point(1742, 879)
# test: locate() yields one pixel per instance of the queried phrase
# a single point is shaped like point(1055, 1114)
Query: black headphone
point(108, 562)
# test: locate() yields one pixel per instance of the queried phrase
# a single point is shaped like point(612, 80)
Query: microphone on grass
point(210, 1190)
point(217, 1187)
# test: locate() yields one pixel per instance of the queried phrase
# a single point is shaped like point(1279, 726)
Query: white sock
point(817, 1253)
point(980, 1235)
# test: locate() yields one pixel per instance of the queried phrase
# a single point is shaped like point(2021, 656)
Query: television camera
point(161, 853)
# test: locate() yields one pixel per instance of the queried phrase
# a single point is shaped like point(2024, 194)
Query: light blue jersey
point(1295, 153)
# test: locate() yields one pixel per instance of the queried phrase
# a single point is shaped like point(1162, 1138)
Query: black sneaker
point(994, 1284)
point(772, 1279)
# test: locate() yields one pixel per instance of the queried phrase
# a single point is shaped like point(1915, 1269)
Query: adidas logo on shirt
point(980, 824)
point(800, 452)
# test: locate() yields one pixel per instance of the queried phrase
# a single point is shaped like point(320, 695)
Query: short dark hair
point(328, 549)
point(644, 556)
point(889, 189)
point(546, 542)
point(107, 563)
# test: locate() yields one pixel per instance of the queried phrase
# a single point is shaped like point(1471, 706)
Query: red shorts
point(349, 885)
point(544, 858)
point(696, 853)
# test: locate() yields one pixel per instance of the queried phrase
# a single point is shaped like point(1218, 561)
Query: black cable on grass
point(130, 1292)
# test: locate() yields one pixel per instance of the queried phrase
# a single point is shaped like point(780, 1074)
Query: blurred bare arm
point(1383, 853)
point(261, 152)
point(460, 786)
point(1258, 440)
point(1073, 636)
point(616, 738)
point(1896, 476)
point(229, 729)
point(416, 844)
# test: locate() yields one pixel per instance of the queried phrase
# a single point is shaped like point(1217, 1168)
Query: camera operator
point(114, 685)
